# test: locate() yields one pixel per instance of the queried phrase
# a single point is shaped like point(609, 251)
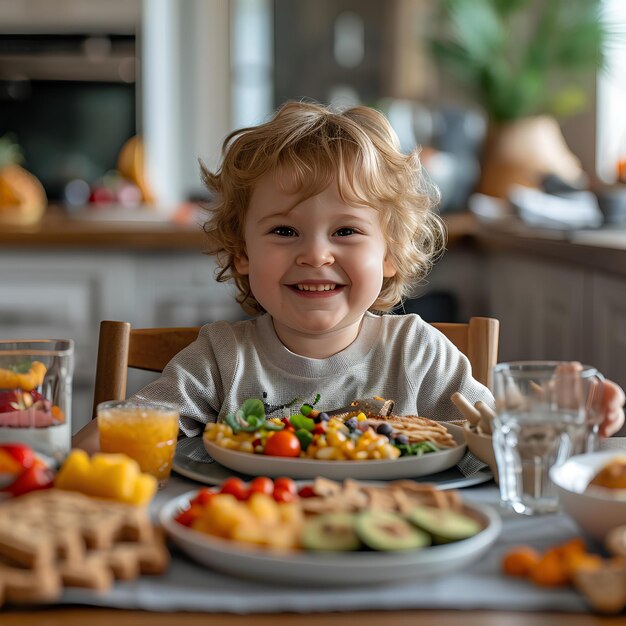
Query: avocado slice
point(333, 532)
point(386, 531)
point(444, 525)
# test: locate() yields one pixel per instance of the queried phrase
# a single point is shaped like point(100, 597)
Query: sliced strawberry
point(7, 399)
point(8, 465)
point(38, 476)
point(20, 453)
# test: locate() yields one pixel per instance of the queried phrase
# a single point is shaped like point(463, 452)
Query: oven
point(70, 101)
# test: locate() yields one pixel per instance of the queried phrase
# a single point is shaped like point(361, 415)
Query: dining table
point(190, 593)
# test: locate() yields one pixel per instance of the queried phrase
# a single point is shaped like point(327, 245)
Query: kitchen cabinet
point(553, 311)
point(608, 330)
point(540, 306)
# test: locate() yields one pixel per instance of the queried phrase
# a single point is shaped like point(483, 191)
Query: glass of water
point(546, 412)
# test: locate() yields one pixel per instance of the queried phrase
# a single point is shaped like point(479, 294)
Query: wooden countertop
point(603, 250)
point(142, 231)
point(57, 230)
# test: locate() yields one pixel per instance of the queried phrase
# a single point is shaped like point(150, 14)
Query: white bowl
point(481, 446)
point(597, 511)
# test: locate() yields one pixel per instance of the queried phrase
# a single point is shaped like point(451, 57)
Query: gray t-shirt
point(397, 357)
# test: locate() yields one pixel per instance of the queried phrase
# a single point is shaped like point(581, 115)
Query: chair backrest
point(120, 347)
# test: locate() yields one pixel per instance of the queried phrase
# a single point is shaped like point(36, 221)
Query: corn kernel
point(327, 454)
point(347, 447)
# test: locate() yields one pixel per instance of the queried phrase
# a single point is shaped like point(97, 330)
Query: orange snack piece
point(520, 561)
point(555, 567)
point(550, 571)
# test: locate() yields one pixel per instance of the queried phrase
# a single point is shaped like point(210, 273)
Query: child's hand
point(612, 409)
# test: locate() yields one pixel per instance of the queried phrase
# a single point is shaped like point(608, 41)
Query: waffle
point(399, 496)
point(417, 429)
point(52, 539)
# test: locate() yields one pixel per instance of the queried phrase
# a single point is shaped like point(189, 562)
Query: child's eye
point(345, 232)
point(284, 231)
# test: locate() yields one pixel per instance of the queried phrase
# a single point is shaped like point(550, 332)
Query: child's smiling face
point(315, 265)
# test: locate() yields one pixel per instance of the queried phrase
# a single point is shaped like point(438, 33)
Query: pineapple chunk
point(226, 513)
point(249, 532)
point(264, 508)
point(110, 476)
point(113, 476)
point(144, 489)
point(74, 474)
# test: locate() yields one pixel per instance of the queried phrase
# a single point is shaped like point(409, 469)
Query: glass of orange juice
point(146, 432)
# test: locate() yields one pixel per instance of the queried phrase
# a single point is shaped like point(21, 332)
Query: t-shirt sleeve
point(192, 381)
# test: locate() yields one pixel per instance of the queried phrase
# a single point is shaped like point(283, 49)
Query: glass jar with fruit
point(35, 394)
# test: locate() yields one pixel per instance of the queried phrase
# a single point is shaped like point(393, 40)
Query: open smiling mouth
point(318, 288)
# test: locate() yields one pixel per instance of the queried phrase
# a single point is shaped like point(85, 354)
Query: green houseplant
point(527, 62)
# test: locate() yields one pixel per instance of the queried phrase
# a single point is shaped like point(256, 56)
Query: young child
point(323, 225)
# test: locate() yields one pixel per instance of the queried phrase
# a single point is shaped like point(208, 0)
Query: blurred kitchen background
point(517, 107)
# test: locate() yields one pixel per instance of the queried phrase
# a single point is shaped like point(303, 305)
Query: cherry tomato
point(282, 443)
point(236, 487)
point(187, 517)
point(284, 495)
point(288, 424)
point(320, 428)
point(307, 492)
point(203, 497)
point(262, 484)
point(287, 484)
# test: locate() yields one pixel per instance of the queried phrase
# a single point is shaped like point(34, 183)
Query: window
point(611, 102)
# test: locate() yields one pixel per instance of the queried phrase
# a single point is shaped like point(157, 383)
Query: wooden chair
point(120, 347)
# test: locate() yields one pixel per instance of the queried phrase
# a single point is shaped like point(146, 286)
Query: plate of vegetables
point(311, 443)
point(314, 537)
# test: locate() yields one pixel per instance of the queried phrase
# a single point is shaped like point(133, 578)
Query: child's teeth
point(326, 287)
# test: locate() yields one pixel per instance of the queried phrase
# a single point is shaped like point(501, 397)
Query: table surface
point(95, 616)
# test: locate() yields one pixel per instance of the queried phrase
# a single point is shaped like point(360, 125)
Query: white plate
point(317, 569)
point(388, 469)
point(208, 472)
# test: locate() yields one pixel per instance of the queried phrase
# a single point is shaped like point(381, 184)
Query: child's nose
point(315, 254)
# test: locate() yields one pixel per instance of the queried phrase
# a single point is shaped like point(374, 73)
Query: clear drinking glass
point(36, 394)
point(546, 411)
point(146, 432)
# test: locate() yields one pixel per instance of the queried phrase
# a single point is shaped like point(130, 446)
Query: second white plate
point(389, 469)
point(325, 569)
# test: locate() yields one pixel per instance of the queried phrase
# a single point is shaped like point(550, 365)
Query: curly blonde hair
point(311, 146)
